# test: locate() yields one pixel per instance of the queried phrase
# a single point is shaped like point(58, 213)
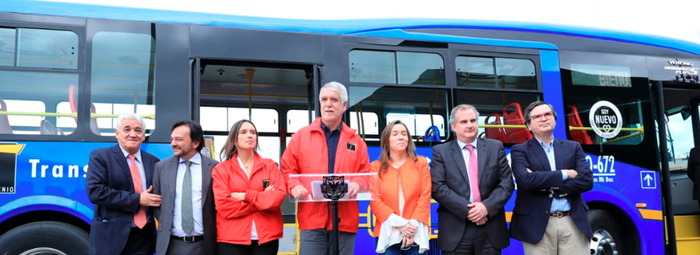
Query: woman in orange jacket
point(402, 194)
point(248, 192)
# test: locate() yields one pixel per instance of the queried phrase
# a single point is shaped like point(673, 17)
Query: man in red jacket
point(326, 146)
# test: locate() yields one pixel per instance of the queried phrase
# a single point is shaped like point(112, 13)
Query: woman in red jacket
point(248, 191)
point(402, 194)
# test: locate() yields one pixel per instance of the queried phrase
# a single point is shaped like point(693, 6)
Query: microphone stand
point(334, 188)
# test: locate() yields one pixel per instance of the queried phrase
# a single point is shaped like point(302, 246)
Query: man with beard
point(187, 215)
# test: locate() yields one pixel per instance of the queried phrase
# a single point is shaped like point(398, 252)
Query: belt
point(188, 239)
point(559, 214)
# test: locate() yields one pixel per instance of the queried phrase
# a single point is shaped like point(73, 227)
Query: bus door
point(680, 107)
point(681, 113)
point(277, 98)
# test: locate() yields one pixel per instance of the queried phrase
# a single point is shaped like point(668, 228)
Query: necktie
point(186, 203)
point(473, 169)
point(140, 216)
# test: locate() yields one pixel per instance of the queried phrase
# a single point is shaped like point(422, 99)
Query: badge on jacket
point(351, 147)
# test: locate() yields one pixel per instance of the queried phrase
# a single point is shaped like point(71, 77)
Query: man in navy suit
point(118, 182)
point(549, 215)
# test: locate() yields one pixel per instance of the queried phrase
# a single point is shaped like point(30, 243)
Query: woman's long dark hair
point(230, 145)
point(384, 157)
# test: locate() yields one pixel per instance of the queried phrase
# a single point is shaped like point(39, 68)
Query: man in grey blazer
point(472, 181)
point(187, 214)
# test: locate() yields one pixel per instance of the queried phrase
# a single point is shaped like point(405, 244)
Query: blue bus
point(67, 70)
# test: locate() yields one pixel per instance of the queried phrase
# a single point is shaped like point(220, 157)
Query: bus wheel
point(607, 238)
point(44, 237)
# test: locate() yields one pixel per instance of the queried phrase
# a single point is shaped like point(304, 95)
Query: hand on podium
point(299, 191)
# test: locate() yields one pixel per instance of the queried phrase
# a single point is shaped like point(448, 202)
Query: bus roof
point(366, 27)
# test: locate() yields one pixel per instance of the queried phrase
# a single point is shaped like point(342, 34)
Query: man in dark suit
point(694, 172)
point(187, 215)
point(118, 182)
point(550, 215)
point(471, 189)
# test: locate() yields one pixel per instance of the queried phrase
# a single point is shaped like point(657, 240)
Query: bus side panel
point(51, 176)
point(624, 186)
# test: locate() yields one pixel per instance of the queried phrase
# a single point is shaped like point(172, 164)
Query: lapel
point(481, 154)
point(559, 154)
point(207, 166)
point(538, 151)
point(146, 162)
point(121, 160)
point(170, 179)
point(459, 160)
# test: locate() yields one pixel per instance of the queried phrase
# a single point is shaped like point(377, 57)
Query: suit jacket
point(164, 182)
point(532, 205)
point(110, 187)
point(451, 189)
point(694, 171)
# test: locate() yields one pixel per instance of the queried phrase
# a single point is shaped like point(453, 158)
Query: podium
point(331, 189)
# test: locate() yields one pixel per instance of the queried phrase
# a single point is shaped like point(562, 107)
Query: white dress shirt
point(196, 171)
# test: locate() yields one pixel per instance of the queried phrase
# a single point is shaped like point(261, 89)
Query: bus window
point(680, 139)
point(475, 72)
point(25, 124)
point(65, 123)
point(370, 120)
point(590, 122)
point(265, 120)
point(604, 98)
point(516, 73)
point(412, 106)
point(29, 101)
point(489, 72)
point(210, 119)
point(123, 66)
point(38, 48)
point(424, 122)
point(47, 48)
point(371, 66)
point(221, 119)
point(297, 119)
point(107, 124)
point(7, 46)
point(500, 113)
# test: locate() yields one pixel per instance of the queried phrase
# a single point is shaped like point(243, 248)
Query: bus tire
point(44, 237)
point(607, 236)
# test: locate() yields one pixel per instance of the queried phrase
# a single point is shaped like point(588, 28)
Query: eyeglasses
point(538, 117)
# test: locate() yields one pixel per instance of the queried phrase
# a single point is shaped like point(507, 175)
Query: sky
point(677, 19)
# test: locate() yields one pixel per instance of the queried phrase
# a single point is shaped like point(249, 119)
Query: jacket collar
point(345, 130)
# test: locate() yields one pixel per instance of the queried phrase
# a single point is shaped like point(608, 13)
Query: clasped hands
point(478, 213)
point(409, 234)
